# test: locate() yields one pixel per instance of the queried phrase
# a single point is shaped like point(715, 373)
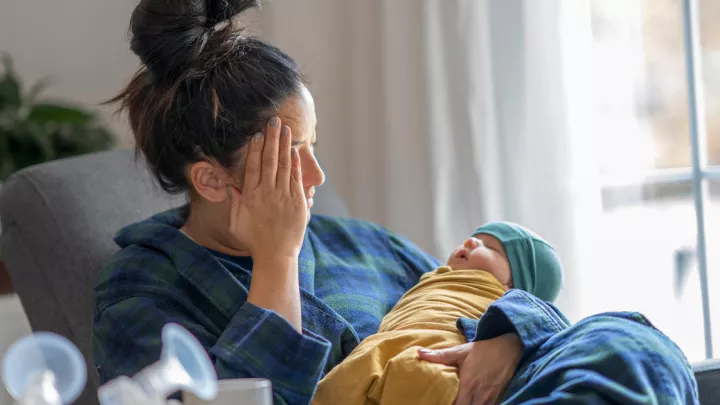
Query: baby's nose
point(472, 243)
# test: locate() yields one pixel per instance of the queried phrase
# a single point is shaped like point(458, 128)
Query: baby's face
point(483, 252)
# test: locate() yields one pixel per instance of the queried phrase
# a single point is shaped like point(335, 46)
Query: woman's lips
point(309, 202)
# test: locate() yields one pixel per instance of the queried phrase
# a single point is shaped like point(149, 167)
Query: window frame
point(700, 173)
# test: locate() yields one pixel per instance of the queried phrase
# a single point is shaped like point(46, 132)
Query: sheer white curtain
point(510, 124)
point(436, 115)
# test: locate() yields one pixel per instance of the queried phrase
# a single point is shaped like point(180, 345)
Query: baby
point(385, 369)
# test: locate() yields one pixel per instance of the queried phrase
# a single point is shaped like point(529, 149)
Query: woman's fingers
point(452, 356)
point(270, 152)
point(253, 165)
point(284, 159)
point(296, 184)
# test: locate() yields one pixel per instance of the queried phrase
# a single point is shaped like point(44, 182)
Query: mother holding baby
point(273, 292)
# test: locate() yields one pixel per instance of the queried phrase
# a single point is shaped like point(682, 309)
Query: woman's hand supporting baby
point(485, 368)
point(270, 214)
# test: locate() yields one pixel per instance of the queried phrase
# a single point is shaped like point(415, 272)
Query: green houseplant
point(34, 131)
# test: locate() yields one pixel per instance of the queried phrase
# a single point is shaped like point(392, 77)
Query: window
point(652, 250)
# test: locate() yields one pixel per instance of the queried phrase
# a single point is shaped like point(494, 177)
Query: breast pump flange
point(44, 369)
point(184, 365)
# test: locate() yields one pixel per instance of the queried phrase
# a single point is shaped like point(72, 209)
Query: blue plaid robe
point(610, 358)
point(351, 274)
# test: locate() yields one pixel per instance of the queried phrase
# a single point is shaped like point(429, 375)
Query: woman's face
point(299, 114)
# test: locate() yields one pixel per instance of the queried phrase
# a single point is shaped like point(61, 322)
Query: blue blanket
point(611, 358)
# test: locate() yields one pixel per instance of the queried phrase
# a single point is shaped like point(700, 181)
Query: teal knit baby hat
point(535, 266)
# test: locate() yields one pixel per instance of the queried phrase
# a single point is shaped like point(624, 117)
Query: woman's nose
point(472, 243)
point(312, 174)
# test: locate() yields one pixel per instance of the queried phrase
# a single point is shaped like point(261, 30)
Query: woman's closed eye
point(298, 145)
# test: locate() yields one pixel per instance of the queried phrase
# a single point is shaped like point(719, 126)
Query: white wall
point(80, 44)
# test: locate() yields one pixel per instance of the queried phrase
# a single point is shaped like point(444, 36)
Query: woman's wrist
point(515, 343)
point(275, 275)
point(275, 286)
point(276, 259)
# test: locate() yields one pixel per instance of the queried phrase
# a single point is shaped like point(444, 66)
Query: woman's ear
point(209, 181)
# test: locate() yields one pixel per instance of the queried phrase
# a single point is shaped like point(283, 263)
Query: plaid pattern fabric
point(351, 274)
point(611, 358)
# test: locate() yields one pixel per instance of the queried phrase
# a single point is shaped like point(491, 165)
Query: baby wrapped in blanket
point(385, 368)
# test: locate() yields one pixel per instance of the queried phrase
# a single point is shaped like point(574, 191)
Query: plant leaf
point(7, 164)
point(10, 87)
point(28, 145)
point(58, 113)
point(71, 140)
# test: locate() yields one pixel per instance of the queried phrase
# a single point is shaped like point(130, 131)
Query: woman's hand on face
point(485, 368)
point(270, 213)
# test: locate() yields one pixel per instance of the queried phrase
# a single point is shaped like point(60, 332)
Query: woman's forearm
point(275, 286)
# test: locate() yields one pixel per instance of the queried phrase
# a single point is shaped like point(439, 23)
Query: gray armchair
point(57, 222)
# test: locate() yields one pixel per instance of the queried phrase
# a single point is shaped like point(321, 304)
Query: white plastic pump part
point(183, 366)
point(44, 369)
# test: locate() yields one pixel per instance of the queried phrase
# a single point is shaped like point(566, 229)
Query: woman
point(271, 291)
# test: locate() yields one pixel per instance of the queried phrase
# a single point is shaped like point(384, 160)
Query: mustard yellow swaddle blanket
point(385, 369)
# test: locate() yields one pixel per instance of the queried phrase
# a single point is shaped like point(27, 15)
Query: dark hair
point(205, 86)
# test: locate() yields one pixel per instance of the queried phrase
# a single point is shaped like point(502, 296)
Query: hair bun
point(223, 10)
point(168, 35)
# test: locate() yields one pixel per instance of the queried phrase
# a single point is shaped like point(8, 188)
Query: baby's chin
point(459, 265)
point(464, 265)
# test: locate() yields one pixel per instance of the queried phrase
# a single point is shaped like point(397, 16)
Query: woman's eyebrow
point(303, 142)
